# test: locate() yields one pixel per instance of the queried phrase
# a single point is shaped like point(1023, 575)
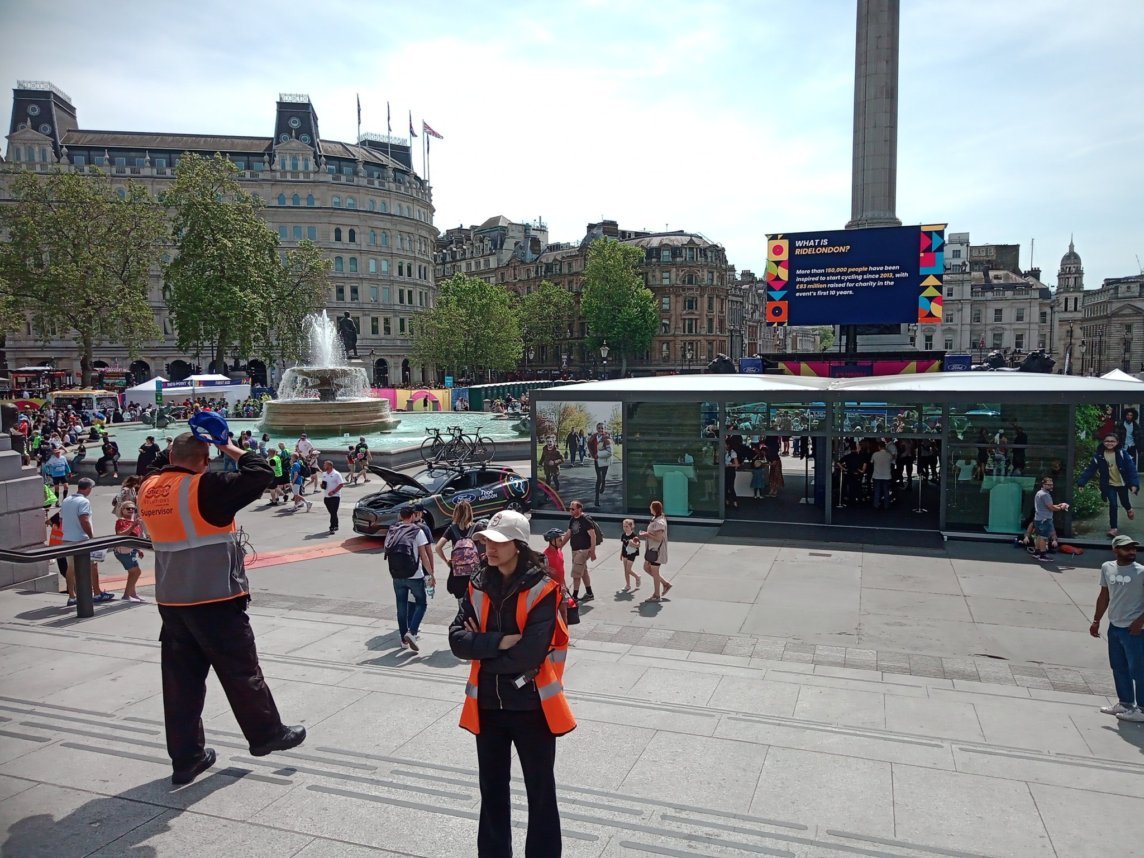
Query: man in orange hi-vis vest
point(510, 628)
point(202, 592)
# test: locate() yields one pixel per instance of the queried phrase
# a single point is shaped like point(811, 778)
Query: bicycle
point(463, 448)
point(433, 448)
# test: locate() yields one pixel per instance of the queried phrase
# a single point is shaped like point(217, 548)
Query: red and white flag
point(425, 127)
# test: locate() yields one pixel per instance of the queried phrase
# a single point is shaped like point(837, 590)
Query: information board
point(856, 276)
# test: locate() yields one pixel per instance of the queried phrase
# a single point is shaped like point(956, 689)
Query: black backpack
point(400, 550)
point(596, 527)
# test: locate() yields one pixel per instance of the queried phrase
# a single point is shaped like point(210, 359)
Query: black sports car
point(439, 490)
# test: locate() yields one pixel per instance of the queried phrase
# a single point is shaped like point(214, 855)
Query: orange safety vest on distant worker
point(549, 685)
point(196, 562)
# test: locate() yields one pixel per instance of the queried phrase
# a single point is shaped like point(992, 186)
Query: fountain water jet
point(328, 394)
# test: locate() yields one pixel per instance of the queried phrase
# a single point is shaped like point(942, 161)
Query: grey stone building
point(1111, 327)
point(1067, 332)
point(362, 203)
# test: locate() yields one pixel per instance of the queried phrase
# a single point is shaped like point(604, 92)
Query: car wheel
point(516, 506)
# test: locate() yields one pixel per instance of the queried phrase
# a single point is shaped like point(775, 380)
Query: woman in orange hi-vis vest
point(510, 629)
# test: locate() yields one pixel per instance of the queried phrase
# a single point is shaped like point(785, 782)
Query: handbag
point(572, 610)
point(651, 555)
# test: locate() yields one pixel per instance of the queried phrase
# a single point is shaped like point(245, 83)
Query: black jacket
point(499, 668)
point(223, 493)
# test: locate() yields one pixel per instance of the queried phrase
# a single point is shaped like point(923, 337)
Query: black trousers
point(536, 749)
point(601, 478)
point(195, 639)
point(332, 505)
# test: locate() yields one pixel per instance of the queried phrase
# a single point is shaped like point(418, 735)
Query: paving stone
point(926, 665)
point(629, 635)
point(739, 646)
point(1033, 681)
point(680, 640)
point(711, 644)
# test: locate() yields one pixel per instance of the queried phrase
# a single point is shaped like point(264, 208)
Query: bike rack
point(80, 554)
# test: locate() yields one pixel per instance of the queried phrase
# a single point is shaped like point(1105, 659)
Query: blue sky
point(1018, 120)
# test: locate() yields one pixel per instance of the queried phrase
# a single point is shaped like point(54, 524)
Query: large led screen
point(856, 276)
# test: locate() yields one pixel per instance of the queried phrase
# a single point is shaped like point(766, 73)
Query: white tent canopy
point(1119, 375)
point(213, 386)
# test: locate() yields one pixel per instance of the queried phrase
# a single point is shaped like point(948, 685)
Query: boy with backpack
point(407, 552)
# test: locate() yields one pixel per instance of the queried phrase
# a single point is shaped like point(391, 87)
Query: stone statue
point(348, 331)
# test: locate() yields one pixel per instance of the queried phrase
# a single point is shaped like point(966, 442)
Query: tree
point(825, 337)
point(78, 257)
point(545, 314)
point(303, 286)
point(222, 281)
point(474, 326)
point(615, 303)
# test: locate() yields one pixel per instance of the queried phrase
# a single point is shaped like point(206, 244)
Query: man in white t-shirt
point(303, 448)
point(882, 463)
point(75, 518)
point(1122, 596)
point(600, 449)
point(332, 482)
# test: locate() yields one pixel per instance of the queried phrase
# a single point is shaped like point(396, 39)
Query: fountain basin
point(313, 415)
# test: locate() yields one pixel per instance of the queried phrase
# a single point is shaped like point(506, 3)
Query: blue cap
point(209, 427)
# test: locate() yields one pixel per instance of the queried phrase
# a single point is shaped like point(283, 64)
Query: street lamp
point(1083, 356)
point(690, 354)
point(604, 354)
point(528, 356)
point(1068, 351)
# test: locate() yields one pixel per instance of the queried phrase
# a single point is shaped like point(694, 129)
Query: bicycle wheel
point(484, 450)
point(431, 449)
point(455, 452)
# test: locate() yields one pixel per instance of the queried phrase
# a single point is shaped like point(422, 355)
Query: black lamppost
point(1083, 357)
point(528, 356)
point(1068, 351)
point(690, 355)
point(1100, 349)
point(604, 354)
point(1126, 358)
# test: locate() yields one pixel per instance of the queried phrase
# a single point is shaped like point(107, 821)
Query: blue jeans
point(882, 494)
point(1111, 494)
point(1126, 657)
point(409, 619)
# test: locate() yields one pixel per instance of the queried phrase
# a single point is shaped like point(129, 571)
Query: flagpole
point(358, 140)
point(388, 135)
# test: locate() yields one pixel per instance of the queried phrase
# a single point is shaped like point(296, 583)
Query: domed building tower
point(1067, 311)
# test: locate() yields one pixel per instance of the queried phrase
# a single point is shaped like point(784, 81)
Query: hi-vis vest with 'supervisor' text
point(195, 561)
point(549, 677)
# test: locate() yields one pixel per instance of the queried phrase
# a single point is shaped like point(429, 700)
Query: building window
point(386, 326)
point(337, 233)
point(977, 316)
point(1020, 314)
point(339, 292)
point(401, 325)
point(281, 199)
point(1019, 341)
point(927, 343)
point(295, 200)
point(949, 344)
point(312, 233)
point(373, 296)
point(373, 325)
point(689, 326)
point(339, 264)
point(690, 304)
point(310, 200)
point(294, 165)
point(400, 296)
point(337, 202)
point(998, 339)
point(353, 236)
point(1044, 317)
point(297, 233)
point(373, 266)
point(372, 205)
point(282, 232)
point(373, 238)
point(665, 304)
point(353, 265)
point(665, 327)
point(665, 254)
point(955, 253)
point(386, 295)
point(354, 294)
point(384, 239)
point(384, 207)
point(350, 204)
point(665, 278)
point(998, 315)
point(385, 268)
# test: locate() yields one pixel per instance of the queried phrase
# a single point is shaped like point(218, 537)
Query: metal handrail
point(80, 552)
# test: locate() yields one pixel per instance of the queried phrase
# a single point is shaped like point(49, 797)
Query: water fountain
point(328, 395)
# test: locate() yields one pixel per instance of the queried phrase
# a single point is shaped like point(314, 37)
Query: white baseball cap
point(505, 526)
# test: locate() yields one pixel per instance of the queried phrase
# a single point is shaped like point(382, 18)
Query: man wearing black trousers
point(202, 592)
point(332, 482)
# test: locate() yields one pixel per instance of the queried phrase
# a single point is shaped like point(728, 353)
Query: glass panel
point(779, 451)
point(672, 451)
point(997, 453)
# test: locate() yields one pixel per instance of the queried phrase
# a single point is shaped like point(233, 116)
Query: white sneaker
point(1115, 709)
point(411, 642)
point(1135, 715)
point(309, 505)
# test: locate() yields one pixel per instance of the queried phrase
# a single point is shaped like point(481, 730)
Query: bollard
point(84, 608)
